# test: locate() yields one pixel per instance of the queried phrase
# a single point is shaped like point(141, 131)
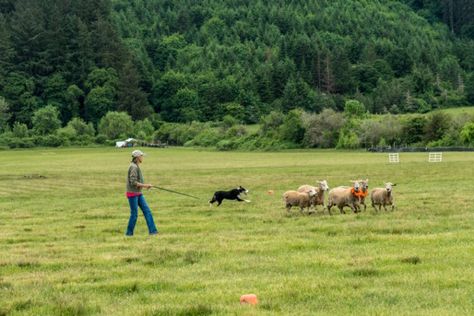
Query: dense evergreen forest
point(205, 61)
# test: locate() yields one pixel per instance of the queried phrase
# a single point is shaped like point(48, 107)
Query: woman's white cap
point(137, 153)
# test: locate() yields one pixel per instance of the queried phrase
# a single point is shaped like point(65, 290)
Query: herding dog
point(229, 195)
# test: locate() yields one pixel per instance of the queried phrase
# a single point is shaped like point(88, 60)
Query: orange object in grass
point(249, 299)
point(270, 192)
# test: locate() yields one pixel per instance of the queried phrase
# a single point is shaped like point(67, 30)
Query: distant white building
point(129, 142)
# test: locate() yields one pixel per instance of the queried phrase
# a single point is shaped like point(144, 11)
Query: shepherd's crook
point(159, 188)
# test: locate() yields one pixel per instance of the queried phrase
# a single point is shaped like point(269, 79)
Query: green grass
point(454, 112)
point(464, 110)
point(63, 214)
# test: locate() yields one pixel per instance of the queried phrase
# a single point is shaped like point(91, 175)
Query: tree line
point(353, 128)
point(187, 61)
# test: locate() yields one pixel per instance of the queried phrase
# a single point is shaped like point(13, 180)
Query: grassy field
point(63, 215)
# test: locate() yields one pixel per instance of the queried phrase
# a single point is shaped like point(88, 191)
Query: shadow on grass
point(411, 260)
point(22, 305)
point(364, 272)
point(194, 310)
point(168, 256)
point(73, 306)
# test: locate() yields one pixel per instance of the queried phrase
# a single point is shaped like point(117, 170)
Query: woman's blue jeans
point(135, 202)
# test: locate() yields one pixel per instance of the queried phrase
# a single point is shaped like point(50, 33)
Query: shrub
point(81, 127)
point(292, 129)
point(467, 134)
point(20, 130)
point(271, 122)
point(436, 126)
point(236, 131)
point(67, 134)
point(116, 125)
point(348, 140)
point(52, 140)
point(228, 121)
point(413, 129)
point(178, 134)
point(16, 142)
point(100, 139)
point(354, 108)
point(226, 144)
point(144, 129)
point(322, 130)
point(46, 120)
point(388, 131)
point(207, 137)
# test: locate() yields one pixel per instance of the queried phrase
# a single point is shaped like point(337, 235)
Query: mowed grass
point(63, 215)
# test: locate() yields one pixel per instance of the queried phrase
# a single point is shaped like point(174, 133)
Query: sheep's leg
point(384, 207)
point(341, 210)
point(329, 209)
point(354, 207)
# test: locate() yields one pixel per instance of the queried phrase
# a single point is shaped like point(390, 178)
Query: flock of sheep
point(308, 196)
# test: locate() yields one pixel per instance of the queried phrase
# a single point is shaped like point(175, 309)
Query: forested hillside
point(205, 59)
point(184, 61)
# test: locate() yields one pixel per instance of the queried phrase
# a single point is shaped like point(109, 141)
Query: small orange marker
point(249, 299)
point(270, 192)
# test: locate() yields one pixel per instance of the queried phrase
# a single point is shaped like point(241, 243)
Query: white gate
point(393, 158)
point(435, 157)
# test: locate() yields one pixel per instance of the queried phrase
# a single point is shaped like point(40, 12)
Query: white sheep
point(364, 186)
point(295, 198)
point(382, 196)
point(321, 187)
point(344, 196)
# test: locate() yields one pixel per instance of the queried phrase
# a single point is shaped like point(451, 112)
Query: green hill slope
point(249, 57)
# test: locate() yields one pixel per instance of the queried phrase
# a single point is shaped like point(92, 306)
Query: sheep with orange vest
point(363, 192)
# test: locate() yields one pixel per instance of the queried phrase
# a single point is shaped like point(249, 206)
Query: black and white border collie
point(229, 195)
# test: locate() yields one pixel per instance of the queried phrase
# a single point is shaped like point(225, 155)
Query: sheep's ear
point(394, 185)
point(367, 180)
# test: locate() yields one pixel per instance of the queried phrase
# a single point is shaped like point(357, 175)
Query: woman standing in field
point(135, 183)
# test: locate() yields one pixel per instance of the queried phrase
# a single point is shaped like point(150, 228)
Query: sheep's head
point(312, 192)
point(323, 185)
point(364, 185)
point(356, 185)
point(388, 186)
